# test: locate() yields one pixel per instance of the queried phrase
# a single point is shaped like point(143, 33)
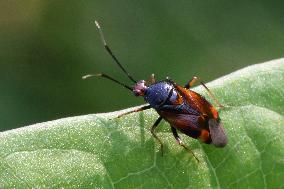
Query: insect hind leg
point(179, 141)
point(191, 83)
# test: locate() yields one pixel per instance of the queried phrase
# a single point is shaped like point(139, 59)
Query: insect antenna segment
point(111, 53)
point(115, 59)
point(108, 77)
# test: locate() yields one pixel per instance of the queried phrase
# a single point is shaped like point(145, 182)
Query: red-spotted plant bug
point(184, 109)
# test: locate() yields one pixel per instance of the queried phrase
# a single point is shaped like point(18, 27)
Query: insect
point(184, 109)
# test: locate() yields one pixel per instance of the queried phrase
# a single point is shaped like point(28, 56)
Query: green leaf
point(94, 152)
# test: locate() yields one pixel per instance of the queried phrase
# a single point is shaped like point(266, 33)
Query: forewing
point(183, 118)
point(197, 102)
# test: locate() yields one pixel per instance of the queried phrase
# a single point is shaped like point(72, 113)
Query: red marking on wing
point(198, 102)
point(205, 136)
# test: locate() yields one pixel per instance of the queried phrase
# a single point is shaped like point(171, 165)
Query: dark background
point(46, 46)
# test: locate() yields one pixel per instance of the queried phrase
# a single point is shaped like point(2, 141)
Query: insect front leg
point(191, 83)
point(154, 134)
point(152, 79)
point(135, 110)
point(179, 141)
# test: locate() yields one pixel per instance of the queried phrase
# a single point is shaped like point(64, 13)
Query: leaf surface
point(93, 151)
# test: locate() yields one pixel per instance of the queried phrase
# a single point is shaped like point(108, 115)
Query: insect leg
point(179, 141)
point(152, 79)
point(193, 80)
point(154, 134)
point(135, 110)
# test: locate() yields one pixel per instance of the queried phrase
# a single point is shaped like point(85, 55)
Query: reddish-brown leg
point(191, 83)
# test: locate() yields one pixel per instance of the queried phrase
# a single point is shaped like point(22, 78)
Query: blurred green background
point(46, 46)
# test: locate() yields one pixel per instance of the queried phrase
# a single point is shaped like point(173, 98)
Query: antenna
point(111, 53)
point(107, 77)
